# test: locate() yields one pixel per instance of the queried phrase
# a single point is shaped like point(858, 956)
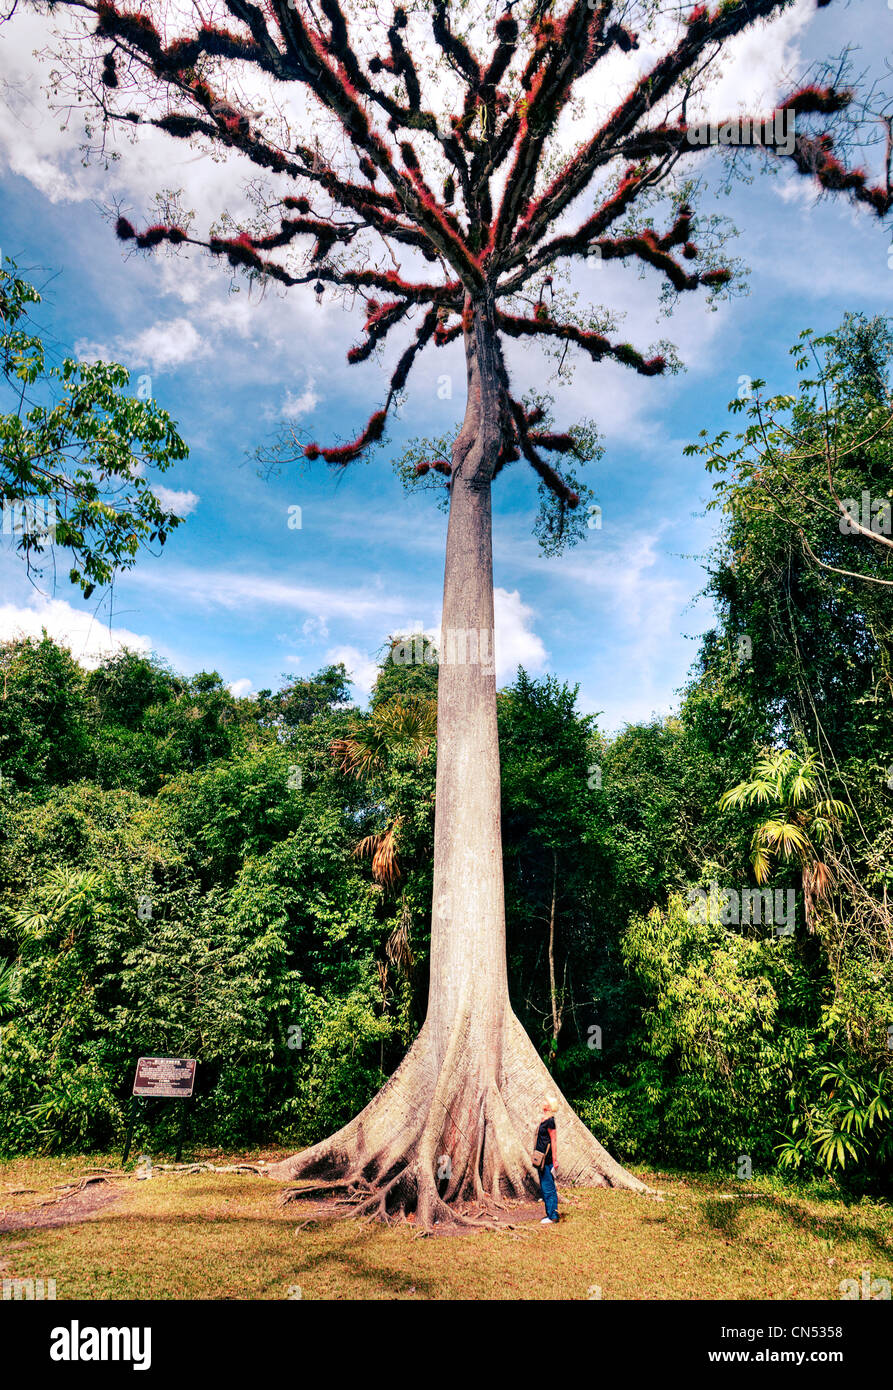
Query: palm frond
point(784, 837)
point(384, 852)
point(820, 879)
point(7, 984)
point(361, 753)
point(761, 863)
point(758, 791)
point(385, 862)
point(404, 721)
point(802, 785)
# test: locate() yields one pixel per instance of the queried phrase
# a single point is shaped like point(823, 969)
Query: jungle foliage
point(248, 880)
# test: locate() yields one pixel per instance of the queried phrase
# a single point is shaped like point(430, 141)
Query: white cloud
point(160, 346)
point(516, 643)
point(183, 503)
point(758, 63)
point(88, 640)
point(294, 407)
point(794, 188)
point(205, 588)
point(165, 345)
point(32, 144)
point(316, 627)
point(240, 687)
point(44, 145)
point(363, 671)
point(88, 352)
point(637, 608)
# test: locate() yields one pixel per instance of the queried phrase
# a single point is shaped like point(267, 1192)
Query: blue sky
point(237, 590)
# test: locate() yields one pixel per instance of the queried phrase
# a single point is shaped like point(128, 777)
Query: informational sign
point(164, 1076)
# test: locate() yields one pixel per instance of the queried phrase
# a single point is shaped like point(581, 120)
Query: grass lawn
point(224, 1236)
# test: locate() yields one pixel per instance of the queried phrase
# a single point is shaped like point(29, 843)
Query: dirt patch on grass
point(79, 1205)
point(324, 1210)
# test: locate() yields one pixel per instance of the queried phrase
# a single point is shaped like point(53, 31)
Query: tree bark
point(456, 1122)
point(553, 914)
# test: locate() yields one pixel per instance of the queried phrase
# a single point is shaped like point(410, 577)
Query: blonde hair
point(550, 1105)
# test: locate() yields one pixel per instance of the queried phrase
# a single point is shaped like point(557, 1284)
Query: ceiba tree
point(455, 141)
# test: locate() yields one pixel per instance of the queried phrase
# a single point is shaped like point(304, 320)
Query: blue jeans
point(547, 1187)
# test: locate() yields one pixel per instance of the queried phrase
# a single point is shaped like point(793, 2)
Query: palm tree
point(67, 900)
point(798, 820)
point(403, 722)
point(409, 720)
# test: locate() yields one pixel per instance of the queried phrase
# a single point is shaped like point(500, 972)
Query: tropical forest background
point(247, 880)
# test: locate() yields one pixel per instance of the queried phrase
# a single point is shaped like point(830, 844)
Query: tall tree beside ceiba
point(451, 150)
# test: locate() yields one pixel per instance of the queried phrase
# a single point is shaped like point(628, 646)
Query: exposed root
point(295, 1194)
point(208, 1168)
point(78, 1184)
point(69, 1189)
point(63, 1191)
point(438, 1140)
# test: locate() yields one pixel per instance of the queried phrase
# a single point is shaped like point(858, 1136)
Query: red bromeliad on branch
point(453, 145)
point(497, 144)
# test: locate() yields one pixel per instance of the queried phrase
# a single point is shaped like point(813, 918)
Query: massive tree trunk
point(553, 916)
point(456, 1122)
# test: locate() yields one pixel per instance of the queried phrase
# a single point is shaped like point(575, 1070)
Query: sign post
point(181, 1131)
point(169, 1078)
point(129, 1140)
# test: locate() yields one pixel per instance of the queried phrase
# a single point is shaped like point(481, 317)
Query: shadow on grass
point(723, 1216)
point(345, 1254)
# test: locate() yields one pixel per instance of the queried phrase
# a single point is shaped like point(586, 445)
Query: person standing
point(546, 1144)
